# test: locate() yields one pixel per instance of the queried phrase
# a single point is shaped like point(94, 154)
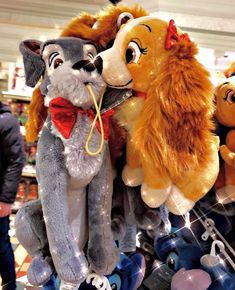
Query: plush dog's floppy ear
point(34, 68)
point(178, 112)
point(33, 64)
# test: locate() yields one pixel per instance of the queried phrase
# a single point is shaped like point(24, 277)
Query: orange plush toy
point(100, 29)
point(171, 151)
point(225, 115)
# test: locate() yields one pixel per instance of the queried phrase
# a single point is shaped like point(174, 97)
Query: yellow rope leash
point(98, 115)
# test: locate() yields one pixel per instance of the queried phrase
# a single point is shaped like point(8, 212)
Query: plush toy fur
point(171, 150)
point(75, 188)
point(225, 115)
point(229, 72)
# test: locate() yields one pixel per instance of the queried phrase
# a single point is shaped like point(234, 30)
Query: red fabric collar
point(139, 94)
point(64, 116)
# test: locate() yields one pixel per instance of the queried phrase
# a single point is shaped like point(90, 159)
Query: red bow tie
point(64, 116)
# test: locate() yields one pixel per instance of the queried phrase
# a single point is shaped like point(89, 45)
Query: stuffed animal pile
point(125, 113)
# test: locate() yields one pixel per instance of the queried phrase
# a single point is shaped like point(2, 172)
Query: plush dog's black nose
point(90, 66)
point(84, 64)
point(99, 64)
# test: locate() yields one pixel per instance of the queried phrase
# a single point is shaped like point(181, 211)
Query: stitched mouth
point(121, 86)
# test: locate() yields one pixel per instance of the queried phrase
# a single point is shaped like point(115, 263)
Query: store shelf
point(12, 95)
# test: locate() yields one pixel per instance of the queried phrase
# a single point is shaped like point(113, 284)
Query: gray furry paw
point(74, 270)
point(103, 261)
point(39, 271)
point(118, 227)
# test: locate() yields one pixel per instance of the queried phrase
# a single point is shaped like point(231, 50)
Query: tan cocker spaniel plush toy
point(171, 151)
point(225, 115)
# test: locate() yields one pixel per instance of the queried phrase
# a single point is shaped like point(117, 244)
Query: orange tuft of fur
point(116, 145)
point(175, 112)
point(37, 116)
point(107, 21)
point(81, 27)
point(230, 71)
point(106, 29)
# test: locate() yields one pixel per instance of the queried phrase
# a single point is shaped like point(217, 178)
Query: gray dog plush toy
point(75, 188)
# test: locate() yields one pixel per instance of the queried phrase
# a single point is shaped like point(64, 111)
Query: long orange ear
point(37, 116)
point(175, 126)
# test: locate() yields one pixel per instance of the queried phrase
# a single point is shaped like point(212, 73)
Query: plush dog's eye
point(133, 52)
point(57, 62)
point(230, 97)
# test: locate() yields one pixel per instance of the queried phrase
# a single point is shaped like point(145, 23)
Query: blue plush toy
point(128, 274)
point(177, 253)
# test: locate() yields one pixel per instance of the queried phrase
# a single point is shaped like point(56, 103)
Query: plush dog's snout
point(84, 64)
point(89, 66)
point(99, 64)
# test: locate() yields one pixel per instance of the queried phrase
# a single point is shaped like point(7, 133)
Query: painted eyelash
point(142, 50)
point(52, 56)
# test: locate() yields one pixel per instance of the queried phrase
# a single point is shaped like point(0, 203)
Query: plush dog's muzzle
point(113, 69)
point(90, 65)
point(84, 64)
point(99, 64)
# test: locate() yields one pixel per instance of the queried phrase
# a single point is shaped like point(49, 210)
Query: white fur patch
point(177, 203)
point(154, 197)
point(132, 177)
point(70, 84)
